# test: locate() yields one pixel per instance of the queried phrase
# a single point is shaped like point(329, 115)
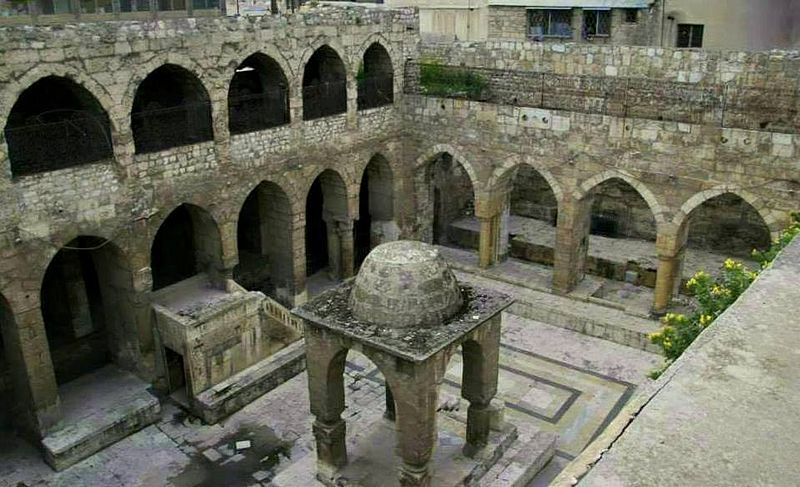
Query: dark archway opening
point(449, 201)
point(533, 215)
point(363, 226)
point(258, 97)
point(187, 243)
point(264, 236)
point(324, 85)
point(55, 124)
point(86, 303)
point(727, 225)
point(6, 385)
point(171, 109)
point(316, 231)
point(376, 223)
point(375, 78)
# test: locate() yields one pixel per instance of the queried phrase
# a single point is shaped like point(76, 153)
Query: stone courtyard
point(551, 379)
point(192, 207)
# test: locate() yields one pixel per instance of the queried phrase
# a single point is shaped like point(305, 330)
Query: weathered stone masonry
point(674, 166)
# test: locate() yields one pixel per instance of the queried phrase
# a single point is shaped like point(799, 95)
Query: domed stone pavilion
point(407, 313)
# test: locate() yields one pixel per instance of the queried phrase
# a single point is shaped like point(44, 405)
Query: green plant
point(713, 296)
point(450, 81)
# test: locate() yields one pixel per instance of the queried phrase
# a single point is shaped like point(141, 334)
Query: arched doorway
point(56, 123)
point(187, 243)
point(324, 85)
point(446, 203)
point(264, 239)
point(622, 229)
point(258, 97)
point(171, 109)
point(376, 223)
point(375, 78)
point(87, 308)
point(533, 214)
point(328, 231)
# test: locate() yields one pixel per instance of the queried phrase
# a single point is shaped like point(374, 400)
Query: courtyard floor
point(551, 378)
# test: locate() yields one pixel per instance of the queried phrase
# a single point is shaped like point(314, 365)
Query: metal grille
point(159, 129)
point(375, 91)
point(549, 23)
point(259, 111)
point(47, 146)
point(596, 23)
point(324, 99)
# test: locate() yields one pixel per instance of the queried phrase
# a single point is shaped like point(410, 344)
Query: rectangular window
point(597, 23)
point(549, 23)
point(690, 35)
point(631, 15)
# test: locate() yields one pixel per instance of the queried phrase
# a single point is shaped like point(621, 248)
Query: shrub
point(450, 81)
point(714, 296)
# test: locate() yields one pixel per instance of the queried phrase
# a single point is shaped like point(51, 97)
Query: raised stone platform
point(372, 462)
point(98, 409)
point(241, 389)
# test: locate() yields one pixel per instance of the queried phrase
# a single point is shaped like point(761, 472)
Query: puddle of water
point(266, 453)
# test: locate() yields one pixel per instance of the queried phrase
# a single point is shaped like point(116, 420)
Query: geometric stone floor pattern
point(550, 378)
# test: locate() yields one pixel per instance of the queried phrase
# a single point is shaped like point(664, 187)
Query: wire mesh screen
point(259, 111)
point(324, 99)
point(375, 91)
point(163, 128)
point(47, 146)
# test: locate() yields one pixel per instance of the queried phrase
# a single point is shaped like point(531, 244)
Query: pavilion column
point(326, 395)
point(670, 246)
point(416, 402)
point(572, 243)
point(479, 383)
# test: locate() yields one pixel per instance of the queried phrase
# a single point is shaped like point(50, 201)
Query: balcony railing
point(376, 91)
point(250, 113)
point(324, 99)
point(48, 146)
point(729, 105)
point(164, 128)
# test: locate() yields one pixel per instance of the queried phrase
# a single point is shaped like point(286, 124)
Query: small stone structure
point(408, 314)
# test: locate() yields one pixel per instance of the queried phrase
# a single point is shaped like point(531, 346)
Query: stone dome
point(403, 284)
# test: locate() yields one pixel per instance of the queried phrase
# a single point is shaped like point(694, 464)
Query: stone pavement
point(550, 378)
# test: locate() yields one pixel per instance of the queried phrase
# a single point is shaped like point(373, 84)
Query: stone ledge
point(239, 390)
point(530, 460)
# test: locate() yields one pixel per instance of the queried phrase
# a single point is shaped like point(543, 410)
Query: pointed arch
point(56, 123)
point(324, 84)
point(647, 195)
point(171, 108)
point(457, 154)
point(760, 206)
point(188, 242)
point(375, 78)
point(258, 95)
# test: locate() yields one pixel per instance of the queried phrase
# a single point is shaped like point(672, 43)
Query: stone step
point(582, 316)
point(241, 389)
point(531, 458)
point(99, 409)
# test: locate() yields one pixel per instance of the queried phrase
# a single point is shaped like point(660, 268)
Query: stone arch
point(188, 242)
point(265, 242)
point(56, 123)
point(258, 95)
point(376, 221)
point(379, 38)
point(328, 227)
point(324, 83)
point(169, 58)
point(441, 172)
point(375, 78)
point(171, 108)
point(649, 197)
point(760, 216)
point(457, 154)
point(88, 306)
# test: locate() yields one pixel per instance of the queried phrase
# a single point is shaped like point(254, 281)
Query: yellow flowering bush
point(713, 296)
